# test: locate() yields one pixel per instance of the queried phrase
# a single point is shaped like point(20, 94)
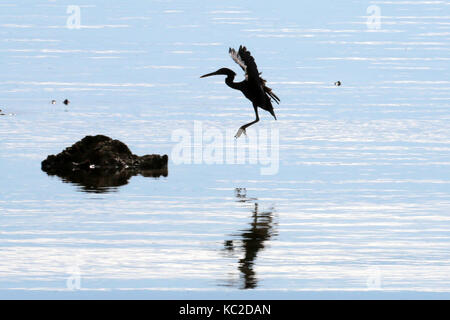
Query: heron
point(253, 87)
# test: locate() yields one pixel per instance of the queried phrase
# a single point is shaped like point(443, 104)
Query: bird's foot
point(240, 132)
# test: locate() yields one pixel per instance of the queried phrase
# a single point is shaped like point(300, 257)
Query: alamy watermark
point(74, 18)
point(373, 281)
point(209, 145)
point(73, 281)
point(374, 18)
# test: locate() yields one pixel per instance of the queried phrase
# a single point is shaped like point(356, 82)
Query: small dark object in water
point(229, 245)
point(98, 162)
point(53, 101)
point(337, 83)
point(66, 102)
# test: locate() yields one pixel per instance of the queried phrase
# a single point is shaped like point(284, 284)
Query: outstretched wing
point(235, 56)
point(244, 58)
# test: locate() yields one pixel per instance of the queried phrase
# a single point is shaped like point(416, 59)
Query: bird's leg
point(245, 126)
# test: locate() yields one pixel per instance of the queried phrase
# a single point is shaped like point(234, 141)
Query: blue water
point(358, 208)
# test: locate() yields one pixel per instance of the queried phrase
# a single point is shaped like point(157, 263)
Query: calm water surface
point(360, 206)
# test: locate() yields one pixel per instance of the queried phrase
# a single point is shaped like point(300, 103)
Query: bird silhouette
point(253, 87)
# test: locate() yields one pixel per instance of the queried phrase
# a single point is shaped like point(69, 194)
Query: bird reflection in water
point(251, 240)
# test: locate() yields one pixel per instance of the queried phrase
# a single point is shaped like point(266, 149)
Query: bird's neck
point(230, 82)
point(229, 78)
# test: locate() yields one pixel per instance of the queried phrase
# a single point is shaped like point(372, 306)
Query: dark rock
point(98, 162)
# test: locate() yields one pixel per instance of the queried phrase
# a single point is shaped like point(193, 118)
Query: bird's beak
point(210, 74)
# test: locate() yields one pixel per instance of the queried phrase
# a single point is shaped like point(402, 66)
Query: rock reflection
point(251, 240)
point(105, 181)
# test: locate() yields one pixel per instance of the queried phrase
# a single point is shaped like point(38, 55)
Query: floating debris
point(66, 102)
point(337, 83)
point(6, 114)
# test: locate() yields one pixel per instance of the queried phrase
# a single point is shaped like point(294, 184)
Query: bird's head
point(223, 71)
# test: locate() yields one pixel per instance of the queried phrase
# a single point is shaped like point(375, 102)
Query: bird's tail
point(268, 107)
point(273, 114)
